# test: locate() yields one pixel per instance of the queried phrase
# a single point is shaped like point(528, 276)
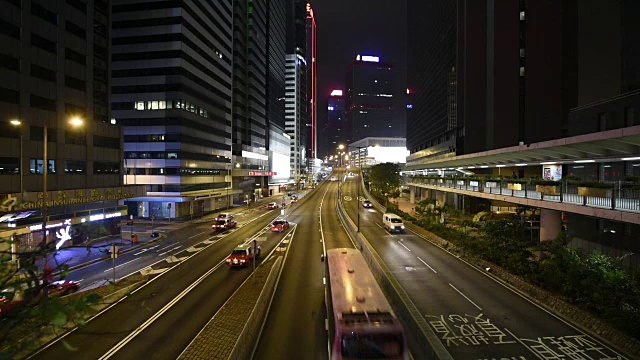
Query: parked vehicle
point(223, 224)
point(12, 299)
point(279, 225)
point(243, 254)
point(392, 222)
point(272, 205)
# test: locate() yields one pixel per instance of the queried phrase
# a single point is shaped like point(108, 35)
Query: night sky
point(350, 27)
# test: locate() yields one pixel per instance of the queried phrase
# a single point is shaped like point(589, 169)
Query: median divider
point(230, 334)
point(423, 342)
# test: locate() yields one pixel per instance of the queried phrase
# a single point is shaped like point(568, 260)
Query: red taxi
point(242, 255)
point(279, 225)
point(223, 224)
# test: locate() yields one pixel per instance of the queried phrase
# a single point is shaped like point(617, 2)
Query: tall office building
point(312, 90)
point(278, 142)
point(250, 129)
point(55, 65)
point(295, 113)
point(336, 131)
point(369, 99)
point(172, 86)
point(496, 74)
point(297, 96)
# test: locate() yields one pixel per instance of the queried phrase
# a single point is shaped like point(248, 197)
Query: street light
point(16, 122)
point(74, 121)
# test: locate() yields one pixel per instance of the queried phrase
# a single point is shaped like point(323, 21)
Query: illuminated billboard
point(552, 172)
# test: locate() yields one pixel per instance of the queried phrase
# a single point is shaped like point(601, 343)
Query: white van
point(392, 222)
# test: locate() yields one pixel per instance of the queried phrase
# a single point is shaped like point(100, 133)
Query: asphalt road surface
point(161, 318)
point(295, 326)
point(473, 315)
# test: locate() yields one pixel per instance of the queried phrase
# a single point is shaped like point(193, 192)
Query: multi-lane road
point(189, 285)
point(472, 314)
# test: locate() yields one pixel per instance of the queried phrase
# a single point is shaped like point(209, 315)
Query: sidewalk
point(79, 256)
point(404, 205)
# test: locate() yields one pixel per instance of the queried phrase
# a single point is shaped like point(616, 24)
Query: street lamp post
point(75, 121)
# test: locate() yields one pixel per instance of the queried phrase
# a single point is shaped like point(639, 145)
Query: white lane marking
point(380, 226)
point(463, 295)
point(324, 281)
point(197, 235)
point(168, 246)
point(155, 316)
point(409, 250)
point(150, 271)
point(170, 250)
point(117, 266)
point(192, 249)
point(141, 252)
point(427, 265)
point(79, 280)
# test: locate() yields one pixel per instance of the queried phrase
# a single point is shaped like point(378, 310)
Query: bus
point(362, 324)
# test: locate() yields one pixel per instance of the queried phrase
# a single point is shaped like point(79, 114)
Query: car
point(367, 204)
point(272, 205)
point(290, 193)
point(63, 287)
point(12, 299)
point(392, 222)
point(222, 224)
point(224, 216)
point(242, 255)
point(294, 198)
point(279, 225)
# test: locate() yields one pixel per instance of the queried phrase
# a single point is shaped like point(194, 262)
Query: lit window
point(521, 15)
point(522, 71)
point(154, 105)
point(139, 105)
point(162, 104)
point(521, 52)
point(148, 105)
point(113, 121)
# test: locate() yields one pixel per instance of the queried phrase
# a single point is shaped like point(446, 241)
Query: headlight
point(402, 227)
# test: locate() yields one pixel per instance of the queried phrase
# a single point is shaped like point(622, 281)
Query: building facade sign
point(30, 201)
point(262, 173)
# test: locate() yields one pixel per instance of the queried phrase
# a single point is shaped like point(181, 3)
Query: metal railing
point(619, 196)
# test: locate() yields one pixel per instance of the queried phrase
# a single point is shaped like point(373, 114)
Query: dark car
point(367, 204)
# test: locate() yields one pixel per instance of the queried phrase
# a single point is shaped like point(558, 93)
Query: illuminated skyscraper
point(369, 99)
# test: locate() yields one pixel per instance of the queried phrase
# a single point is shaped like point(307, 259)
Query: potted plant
point(515, 184)
point(547, 187)
point(593, 188)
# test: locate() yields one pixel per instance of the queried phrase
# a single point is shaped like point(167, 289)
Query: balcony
point(621, 197)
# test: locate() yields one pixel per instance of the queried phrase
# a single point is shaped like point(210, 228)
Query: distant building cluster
point(185, 108)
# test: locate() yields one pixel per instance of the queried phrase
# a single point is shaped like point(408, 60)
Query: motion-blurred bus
point(362, 323)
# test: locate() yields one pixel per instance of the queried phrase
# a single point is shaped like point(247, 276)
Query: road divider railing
point(423, 342)
point(249, 336)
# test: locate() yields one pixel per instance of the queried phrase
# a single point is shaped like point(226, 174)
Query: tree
point(28, 312)
point(385, 178)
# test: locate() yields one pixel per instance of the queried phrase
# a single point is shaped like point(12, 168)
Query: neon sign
point(370, 58)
